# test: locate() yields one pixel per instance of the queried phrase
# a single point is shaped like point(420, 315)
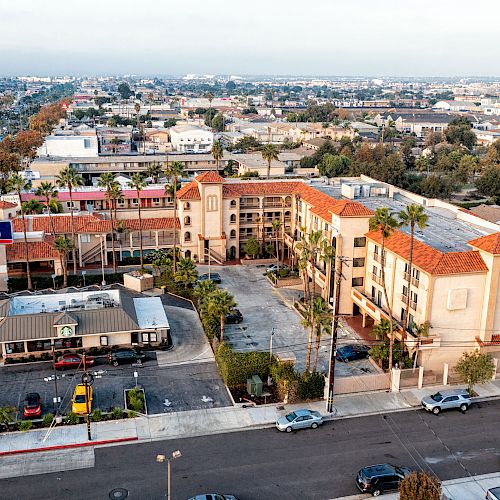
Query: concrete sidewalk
point(219, 420)
point(464, 488)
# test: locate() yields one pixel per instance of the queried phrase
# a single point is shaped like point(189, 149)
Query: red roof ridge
point(209, 177)
point(489, 243)
point(7, 204)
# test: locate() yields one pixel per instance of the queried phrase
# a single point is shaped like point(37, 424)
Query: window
point(212, 203)
point(233, 204)
point(375, 250)
point(405, 291)
point(153, 337)
point(85, 238)
point(187, 205)
point(104, 340)
point(358, 262)
point(357, 281)
point(86, 143)
point(415, 273)
point(156, 200)
point(360, 242)
point(232, 219)
point(414, 297)
point(187, 236)
point(145, 337)
point(233, 233)
point(187, 221)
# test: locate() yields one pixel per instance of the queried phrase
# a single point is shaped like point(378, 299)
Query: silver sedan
point(299, 419)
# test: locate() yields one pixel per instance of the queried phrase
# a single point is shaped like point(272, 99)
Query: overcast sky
point(293, 37)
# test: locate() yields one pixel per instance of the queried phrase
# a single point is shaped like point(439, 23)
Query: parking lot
point(184, 378)
point(264, 309)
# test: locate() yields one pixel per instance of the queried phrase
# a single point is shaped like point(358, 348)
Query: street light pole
point(160, 459)
point(102, 259)
point(271, 344)
point(85, 378)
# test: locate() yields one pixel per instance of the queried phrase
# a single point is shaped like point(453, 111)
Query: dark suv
point(234, 316)
point(376, 479)
point(125, 355)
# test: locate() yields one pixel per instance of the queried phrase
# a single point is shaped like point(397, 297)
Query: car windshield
point(437, 397)
point(80, 398)
point(31, 402)
point(291, 416)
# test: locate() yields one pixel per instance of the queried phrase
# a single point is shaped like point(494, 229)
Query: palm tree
point(217, 153)
point(414, 215)
point(115, 195)
point(327, 255)
point(154, 171)
point(276, 224)
point(420, 331)
point(69, 178)
point(384, 221)
point(269, 153)
point(186, 272)
point(202, 290)
point(323, 321)
point(63, 246)
point(32, 207)
point(174, 171)
point(18, 184)
point(221, 303)
point(138, 183)
point(48, 191)
point(108, 182)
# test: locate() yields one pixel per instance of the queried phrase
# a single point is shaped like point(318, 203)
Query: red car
point(72, 361)
point(32, 405)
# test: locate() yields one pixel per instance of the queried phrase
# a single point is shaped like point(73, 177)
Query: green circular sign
point(66, 331)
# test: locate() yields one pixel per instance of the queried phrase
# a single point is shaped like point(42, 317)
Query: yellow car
point(79, 401)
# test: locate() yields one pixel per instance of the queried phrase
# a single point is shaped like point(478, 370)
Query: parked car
point(299, 419)
point(215, 277)
point(377, 479)
point(447, 400)
point(32, 407)
point(351, 352)
point(72, 361)
point(79, 401)
point(234, 316)
point(213, 496)
point(125, 355)
point(493, 493)
point(274, 268)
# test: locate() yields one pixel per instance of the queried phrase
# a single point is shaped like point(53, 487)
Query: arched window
point(233, 204)
point(187, 220)
point(187, 205)
point(187, 236)
point(232, 219)
point(233, 233)
point(212, 204)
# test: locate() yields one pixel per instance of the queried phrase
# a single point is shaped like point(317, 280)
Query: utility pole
point(86, 383)
point(333, 342)
point(56, 399)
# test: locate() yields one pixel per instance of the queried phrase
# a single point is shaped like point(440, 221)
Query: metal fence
point(363, 383)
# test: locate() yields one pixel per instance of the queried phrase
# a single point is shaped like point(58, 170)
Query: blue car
point(348, 353)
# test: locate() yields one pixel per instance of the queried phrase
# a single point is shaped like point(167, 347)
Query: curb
point(68, 446)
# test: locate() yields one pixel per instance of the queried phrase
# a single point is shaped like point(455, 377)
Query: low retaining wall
point(257, 262)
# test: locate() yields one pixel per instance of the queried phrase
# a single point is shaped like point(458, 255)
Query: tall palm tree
point(323, 320)
point(154, 171)
point(174, 172)
point(202, 290)
point(217, 153)
point(420, 331)
point(269, 153)
point(63, 246)
point(385, 222)
point(138, 183)
point(327, 255)
point(108, 182)
point(186, 272)
point(413, 216)
point(276, 224)
point(221, 303)
point(18, 184)
point(69, 178)
point(48, 191)
point(32, 207)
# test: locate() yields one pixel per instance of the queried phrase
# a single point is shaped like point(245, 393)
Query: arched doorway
point(232, 253)
point(187, 254)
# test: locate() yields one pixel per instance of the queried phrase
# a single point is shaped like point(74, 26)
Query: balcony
point(377, 279)
point(403, 298)
point(413, 305)
point(378, 258)
point(415, 282)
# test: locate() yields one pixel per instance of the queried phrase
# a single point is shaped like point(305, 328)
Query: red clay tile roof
point(430, 259)
point(490, 243)
point(258, 188)
point(210, 177)
point(495, 340)
point(6, 204)
point(151, 224)
point(37, 250)
point(189, 191)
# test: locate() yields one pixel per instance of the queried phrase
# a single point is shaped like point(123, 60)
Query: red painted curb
point(64, 447)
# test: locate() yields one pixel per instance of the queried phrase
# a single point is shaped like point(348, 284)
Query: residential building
point(191, 139)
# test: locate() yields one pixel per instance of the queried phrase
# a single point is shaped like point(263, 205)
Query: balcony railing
point(377, 279)
point(415, 282)
point(413, 305)
point(378, 258)
point(410, 279)
point(403, 298)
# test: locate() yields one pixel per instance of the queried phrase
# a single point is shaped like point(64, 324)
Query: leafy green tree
point(334, 165)
point(406, 148)
point(269, 153)
point(63, 246)
point(218, 122)
point(7, 414)
point(466, 168)
point(247, 144)
point(210, 114)
point(124, 90)
point(32, 207)
point(138, 183)
point(437, 186)
point(70, 179)
point(420, 486)
point(170, 122)
point(384, 222)
point(161, 260)
point(252, 247)
point(186, 273)
point(489, 182)
point(476, 368)
point(230, 86)
point(459, 131)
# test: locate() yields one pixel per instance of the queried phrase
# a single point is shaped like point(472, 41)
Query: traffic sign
point(6, 237)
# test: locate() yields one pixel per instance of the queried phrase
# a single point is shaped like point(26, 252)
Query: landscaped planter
point(137, 281)
point(257, 262)
point(129, 407)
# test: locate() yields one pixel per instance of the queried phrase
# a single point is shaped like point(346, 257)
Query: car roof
point(378, 470)
point(301, 413)
point(32, 395)
point(454, 392)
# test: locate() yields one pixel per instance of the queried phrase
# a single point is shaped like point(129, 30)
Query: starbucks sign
point(66, 331)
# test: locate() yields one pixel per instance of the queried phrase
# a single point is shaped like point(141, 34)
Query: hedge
point(237, 367)
point(41, 283)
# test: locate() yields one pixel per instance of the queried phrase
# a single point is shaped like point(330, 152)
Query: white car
point(299, 419)
point(274, 268)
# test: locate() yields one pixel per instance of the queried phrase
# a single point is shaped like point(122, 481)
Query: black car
point(125, 355)
point(215, 277)
point(376, 479)
point(351, 352)
point(234, 316)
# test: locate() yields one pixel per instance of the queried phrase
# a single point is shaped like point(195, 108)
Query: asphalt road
point(265, 464)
